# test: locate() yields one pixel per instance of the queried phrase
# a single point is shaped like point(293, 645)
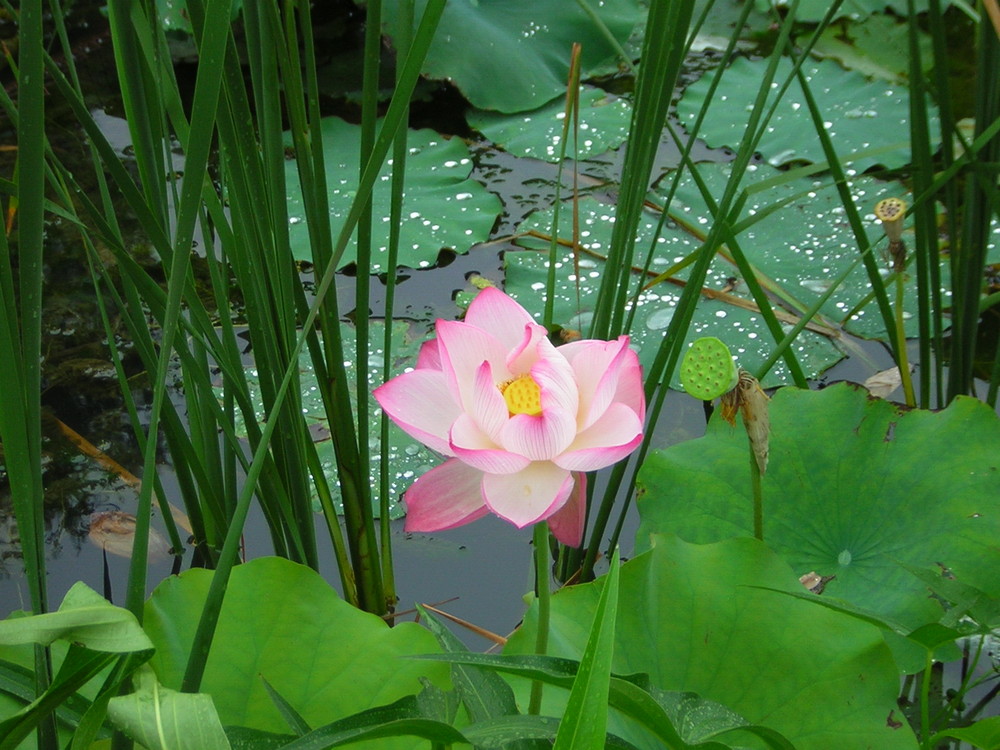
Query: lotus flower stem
point(903, 359)
point(890, 212)
point(749, 399)
point(758, 499)
point(541, 541)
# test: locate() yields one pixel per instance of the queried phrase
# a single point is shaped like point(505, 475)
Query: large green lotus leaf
point(442, 207)
point(855, 488)
point(282, 622)
point(876, 47)
point(804, 245)
point(813, 11)
point(604, 124)
point(408, 458)
point(741, 329)
point(513, 55)
point(691, 619)
point(859, 114)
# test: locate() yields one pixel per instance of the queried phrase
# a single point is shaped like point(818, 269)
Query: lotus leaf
point(604, 123)
point(877, 47)
point(812, 11)
point(442, 207)
point(282, 621)
point(860, 115)
point(695, 623)
point(513, 55)
point(164, 719)
point(856, 488)
point(577, 283)
point(408, 458)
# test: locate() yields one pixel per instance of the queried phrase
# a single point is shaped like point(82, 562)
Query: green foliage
point(604, 122)
point(282, 622)
point(693, 623)
point(443, 208)
point(85, 618)
point(100, 646)
point(855, 487)
point(868, 119)
point(514, 56)
point(407, 459)
point(584, 722)
point(877, 47)
point(162, 719)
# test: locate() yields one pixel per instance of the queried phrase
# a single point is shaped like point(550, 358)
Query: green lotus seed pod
point(708, 369)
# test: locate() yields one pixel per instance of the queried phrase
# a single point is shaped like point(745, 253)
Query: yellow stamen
point(523, 396)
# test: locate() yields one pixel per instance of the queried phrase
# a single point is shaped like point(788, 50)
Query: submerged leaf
point(114, 532)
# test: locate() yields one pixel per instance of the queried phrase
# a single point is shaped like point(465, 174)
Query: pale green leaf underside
point(283, 622)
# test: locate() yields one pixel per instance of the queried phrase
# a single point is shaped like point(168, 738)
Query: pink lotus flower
point(519, 419)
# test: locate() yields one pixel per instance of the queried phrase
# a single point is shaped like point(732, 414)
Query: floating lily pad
point(694, 622)
point(742, 329)
point(442, 207)
point(604, 124)
point(513, 56)
point(813, 11)
point(876, 47)
point(861, 115)
point(408, 459)
point(282, 622)
point(855, 488)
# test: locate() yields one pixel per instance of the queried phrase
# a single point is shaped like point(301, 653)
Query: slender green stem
point(542, 593)
point(925, 696)
point(901, 355)
point(758, 498)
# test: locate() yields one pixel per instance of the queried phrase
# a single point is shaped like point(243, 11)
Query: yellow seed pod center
point(523, 396)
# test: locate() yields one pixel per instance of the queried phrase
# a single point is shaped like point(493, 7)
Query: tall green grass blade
point(362, 556)
point(980, 203)
point(21, 334)
point(584, 724)
point(925, 236)
point(663, 51)
point(403, 39)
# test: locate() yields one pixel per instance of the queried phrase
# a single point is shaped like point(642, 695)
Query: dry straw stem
point(993, 11)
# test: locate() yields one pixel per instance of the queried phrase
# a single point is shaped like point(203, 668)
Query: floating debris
point(114, 532)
